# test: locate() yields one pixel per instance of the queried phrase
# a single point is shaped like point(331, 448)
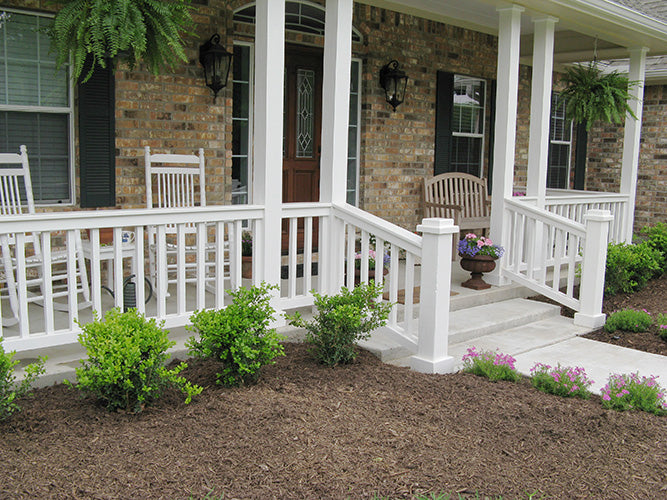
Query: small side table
point(107, 254)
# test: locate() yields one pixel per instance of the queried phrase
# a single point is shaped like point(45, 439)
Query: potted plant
point(372, 263)
point(95, 32)
point(246, 254)
point(478, 255)
point(591, 95)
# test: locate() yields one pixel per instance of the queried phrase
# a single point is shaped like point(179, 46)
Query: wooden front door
point(302, 129)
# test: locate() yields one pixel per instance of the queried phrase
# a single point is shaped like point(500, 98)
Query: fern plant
point(133, 30)
point(592, 95)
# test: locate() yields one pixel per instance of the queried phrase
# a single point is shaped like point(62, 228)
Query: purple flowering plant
point(372, 258)
point(473, 245)
point(246, 243)
point(632, 392)
point(494, 365)
point(562, 381)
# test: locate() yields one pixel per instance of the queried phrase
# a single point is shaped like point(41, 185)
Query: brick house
point(479, 100)
point(390, 152)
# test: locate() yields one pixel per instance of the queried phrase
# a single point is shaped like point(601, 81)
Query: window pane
point(468, 110)
point(305, 124)
point(46, 135)
point(466, 155)
point(53, 86)
point(21, 37)
point(23, 83)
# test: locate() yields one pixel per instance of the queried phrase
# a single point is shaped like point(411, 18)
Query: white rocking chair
point(174, 180)
point(15, 181)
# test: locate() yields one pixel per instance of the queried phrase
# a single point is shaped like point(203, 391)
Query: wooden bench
point(459, 196)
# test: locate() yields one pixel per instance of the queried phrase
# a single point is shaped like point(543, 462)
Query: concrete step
point(466, 324)
point(464, 299)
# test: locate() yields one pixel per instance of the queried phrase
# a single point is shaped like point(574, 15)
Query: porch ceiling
point(617, 27)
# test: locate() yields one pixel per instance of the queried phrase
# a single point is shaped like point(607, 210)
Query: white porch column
point(268, 135)
point(505, 127)
point(436, 281)
point(631, 138)
point(540, 108)
point(335, 119)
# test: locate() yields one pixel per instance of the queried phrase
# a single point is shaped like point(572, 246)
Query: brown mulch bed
point(652, 298)
point(366, 430)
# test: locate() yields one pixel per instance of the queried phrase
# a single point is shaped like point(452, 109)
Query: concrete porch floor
point(498, 318)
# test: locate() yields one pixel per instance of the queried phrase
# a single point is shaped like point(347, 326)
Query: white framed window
point(354, 136)
point(560, 145)
point(468, 112)
point(242, 123)
point(36, 105)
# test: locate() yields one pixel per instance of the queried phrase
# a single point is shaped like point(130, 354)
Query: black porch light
point(216, 62)
point(393, 81)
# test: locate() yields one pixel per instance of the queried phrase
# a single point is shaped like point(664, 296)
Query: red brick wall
point(605, 154)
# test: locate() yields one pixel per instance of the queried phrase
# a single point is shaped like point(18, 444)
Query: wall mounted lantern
point(216, 62)
point(393, 81)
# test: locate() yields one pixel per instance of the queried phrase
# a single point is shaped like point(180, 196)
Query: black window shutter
point(580, 154)
point(97, 139)
point(443, 121)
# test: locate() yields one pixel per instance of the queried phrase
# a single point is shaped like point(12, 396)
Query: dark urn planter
point(477, 265)
point(371, 275)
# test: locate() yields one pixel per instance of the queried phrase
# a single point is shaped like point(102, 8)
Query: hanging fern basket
point(592, 95)
point(90, 33)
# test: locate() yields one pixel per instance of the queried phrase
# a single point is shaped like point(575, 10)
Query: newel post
point(436, 283)
point(593, 269)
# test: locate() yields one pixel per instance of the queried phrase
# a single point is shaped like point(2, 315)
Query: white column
point(335, 119)
point(631, 138)
point(436, 279)
point(505, 127)
point(268, 135)
point(540, 108)
point(593, 269)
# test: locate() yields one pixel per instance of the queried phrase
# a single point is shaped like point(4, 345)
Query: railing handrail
point(62, 221)
point(306, 209)
point(546, 216)
point(373, 224)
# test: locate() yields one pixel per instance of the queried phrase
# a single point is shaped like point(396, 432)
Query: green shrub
point(661, 323)
point(126, 368)
point(10, 390)
point(238, 336)
point(561, 381)
point(629, 267)
point(629, 392)
point(493, 365)
point(628, 320)
point(656, 238)
point(341, 321)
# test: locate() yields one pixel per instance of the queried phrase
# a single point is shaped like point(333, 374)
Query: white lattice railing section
point(551, 254)
point(574, 205)
point(397, 255)
point(192, 266)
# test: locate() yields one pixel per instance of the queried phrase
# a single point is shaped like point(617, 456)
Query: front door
point(302, 128)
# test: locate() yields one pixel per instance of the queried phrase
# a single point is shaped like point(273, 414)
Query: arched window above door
point(300, 16)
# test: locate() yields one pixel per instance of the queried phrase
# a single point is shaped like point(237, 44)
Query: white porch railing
point(204, 252)
point(397, 250)
point(551, 254)
point(191, 256)
point(574, 204)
